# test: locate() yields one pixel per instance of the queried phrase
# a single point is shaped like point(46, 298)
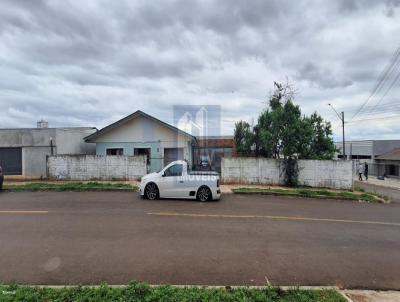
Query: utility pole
point(344, 146)
point(51, 146)
point(342, 119)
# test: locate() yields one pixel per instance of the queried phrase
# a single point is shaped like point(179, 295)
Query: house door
point(11, 161)
point(172, 154)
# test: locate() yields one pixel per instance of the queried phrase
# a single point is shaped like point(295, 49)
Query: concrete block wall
point(314, 173)
point(335, 174)
point(250, 170)
point(95, 167)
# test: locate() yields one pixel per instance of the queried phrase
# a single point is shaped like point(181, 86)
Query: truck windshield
point(175, 170)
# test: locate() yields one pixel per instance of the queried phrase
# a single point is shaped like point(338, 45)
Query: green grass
point(312, 193)
point(142, 292)
point(356, 188)
point(70, 186)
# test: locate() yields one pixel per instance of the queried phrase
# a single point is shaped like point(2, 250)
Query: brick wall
point(95, 167)
point(314, 173)
point(216, 142)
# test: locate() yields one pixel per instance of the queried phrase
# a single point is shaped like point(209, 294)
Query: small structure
point(143, 134)
point(389, 164)
point(23, 151)
point(42, 124)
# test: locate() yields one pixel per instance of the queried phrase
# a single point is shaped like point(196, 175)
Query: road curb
point(345, 296)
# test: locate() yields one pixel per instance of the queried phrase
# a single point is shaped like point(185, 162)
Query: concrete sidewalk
point(387, 187)
point(388, 182)
point(371, 296)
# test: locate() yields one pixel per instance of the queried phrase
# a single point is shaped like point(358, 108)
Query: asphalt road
point(89, 238)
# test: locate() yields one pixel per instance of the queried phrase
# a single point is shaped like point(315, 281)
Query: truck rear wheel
point(203, 194)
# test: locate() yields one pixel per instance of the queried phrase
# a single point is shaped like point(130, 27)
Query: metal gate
point(11, 161)
point(172, 154)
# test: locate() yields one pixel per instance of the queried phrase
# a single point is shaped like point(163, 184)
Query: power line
point(381, 79)
point(385, 108)
point(392, 107)
point(386, 92)
point(354, 108)
point(375, 118)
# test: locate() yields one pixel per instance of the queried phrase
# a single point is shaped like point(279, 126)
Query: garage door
point(11, 161)
point(171, 154)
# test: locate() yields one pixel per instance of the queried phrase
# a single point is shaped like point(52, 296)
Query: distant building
point(23, 151)
point(368, 151)
point(388, 164)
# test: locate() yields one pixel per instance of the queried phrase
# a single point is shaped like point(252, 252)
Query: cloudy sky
point(89, 63)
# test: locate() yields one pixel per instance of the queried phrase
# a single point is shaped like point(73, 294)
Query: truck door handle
point(181, 181)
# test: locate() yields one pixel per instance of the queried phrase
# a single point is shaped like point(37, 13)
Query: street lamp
point(342, 119)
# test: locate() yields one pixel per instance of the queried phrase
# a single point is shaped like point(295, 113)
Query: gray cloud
point(322, 77)
point(91, 62)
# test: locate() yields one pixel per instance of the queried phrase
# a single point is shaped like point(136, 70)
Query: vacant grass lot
point(312, 193)
point(71, 186)
point(142, 292)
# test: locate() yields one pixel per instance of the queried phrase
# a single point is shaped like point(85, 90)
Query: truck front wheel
point(151, 191)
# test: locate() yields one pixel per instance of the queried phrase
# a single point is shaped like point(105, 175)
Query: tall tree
point(322, 146)
point(283, 132)
point(243, 137)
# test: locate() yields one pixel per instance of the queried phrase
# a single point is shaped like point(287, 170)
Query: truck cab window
point(175, 170)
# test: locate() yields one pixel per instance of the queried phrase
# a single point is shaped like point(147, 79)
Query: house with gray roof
point(143, 134)
point(389, 163)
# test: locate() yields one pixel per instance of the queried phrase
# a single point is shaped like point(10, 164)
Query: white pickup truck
point(176, 181)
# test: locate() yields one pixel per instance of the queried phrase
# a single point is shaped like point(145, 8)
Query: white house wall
point(142, 129)
point(71, 141)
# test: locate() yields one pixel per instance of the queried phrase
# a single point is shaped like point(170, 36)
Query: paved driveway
point(70, 238)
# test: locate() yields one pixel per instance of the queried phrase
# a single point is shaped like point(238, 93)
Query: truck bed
point(203, 173)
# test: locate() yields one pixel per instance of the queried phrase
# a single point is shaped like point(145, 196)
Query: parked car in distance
point(177, 181)
point(205, 162)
